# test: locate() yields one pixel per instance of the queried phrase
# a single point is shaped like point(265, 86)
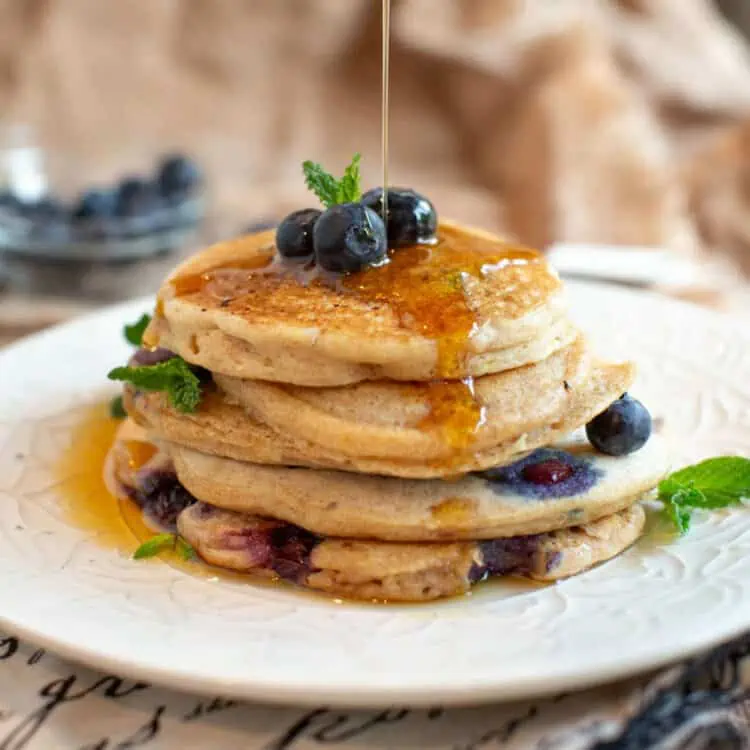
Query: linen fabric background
point(624, 121)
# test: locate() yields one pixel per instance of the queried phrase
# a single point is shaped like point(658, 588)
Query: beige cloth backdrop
point(588, 120)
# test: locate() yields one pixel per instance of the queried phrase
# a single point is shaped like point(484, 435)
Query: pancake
point(398, 572)
point(427, 421)
point(341, 504)
point(222, 428)
point(465, 307)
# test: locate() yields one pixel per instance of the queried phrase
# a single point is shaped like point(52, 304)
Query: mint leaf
point(184, 550)
point(163, 542)
point(134, 333)
point(322, 183)
point(730, 475)
point(679, 515)
point(330, 190)
point(174, 377)
point(349, 187)
point(116, 408)
point(154, 546)
point(711, 484)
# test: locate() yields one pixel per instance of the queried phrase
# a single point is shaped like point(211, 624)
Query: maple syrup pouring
point(386, 105)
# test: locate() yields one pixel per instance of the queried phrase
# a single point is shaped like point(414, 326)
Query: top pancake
point(466, 306)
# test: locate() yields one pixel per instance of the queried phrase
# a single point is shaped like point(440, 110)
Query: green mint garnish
point(134, 333)
point(712, 484)
point(331, 191)
point(154, 546)
point(184, 550)
point(116, 408)
point(174, 377)
point(161, 543)
point(349, 187)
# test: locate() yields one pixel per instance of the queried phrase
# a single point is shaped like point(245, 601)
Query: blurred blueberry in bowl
point(9, 201)
point(138, 204)
point(94, 204)
point(136, 197)
point(178, 177)
point(95, 243)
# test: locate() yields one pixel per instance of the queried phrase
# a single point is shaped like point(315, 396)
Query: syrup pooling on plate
point(139, 453)
point(84, 485)
point(93, 502)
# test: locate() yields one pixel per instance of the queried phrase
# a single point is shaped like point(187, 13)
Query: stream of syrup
point(386, 101)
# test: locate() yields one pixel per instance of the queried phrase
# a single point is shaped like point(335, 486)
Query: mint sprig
point(710, 485)
point(174, 377)
point(331, 191)
point(134, 333)
point(349, 187)
point(162, 543)
point(117, 408)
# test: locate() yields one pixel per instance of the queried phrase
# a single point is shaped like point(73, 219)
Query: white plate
point(652, 605)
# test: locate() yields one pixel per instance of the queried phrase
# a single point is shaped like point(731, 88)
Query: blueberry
point(412, 219)
point(144, 356)
point(94, 204)
point(348, 238)
point(178, 176)
point(544, 474)
point(161, 496)
point(622, 429)
point(294, 237)
point(548, 472)
point(9, 201)
point(136, 198)
point(291, 549)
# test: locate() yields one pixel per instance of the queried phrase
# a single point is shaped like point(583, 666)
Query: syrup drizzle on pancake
point(455, 410)
point(423, 285)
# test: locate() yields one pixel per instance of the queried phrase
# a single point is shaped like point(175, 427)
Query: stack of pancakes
point(393, 434)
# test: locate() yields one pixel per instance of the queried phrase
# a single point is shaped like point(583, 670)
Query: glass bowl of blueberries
point(103, 242)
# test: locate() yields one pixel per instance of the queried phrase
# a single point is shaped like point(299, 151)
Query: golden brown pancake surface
point(460, 307)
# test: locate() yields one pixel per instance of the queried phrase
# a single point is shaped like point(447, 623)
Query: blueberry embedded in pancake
point(268, 544)
point(399, 572)
point(546, 473)
point(142, 471)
